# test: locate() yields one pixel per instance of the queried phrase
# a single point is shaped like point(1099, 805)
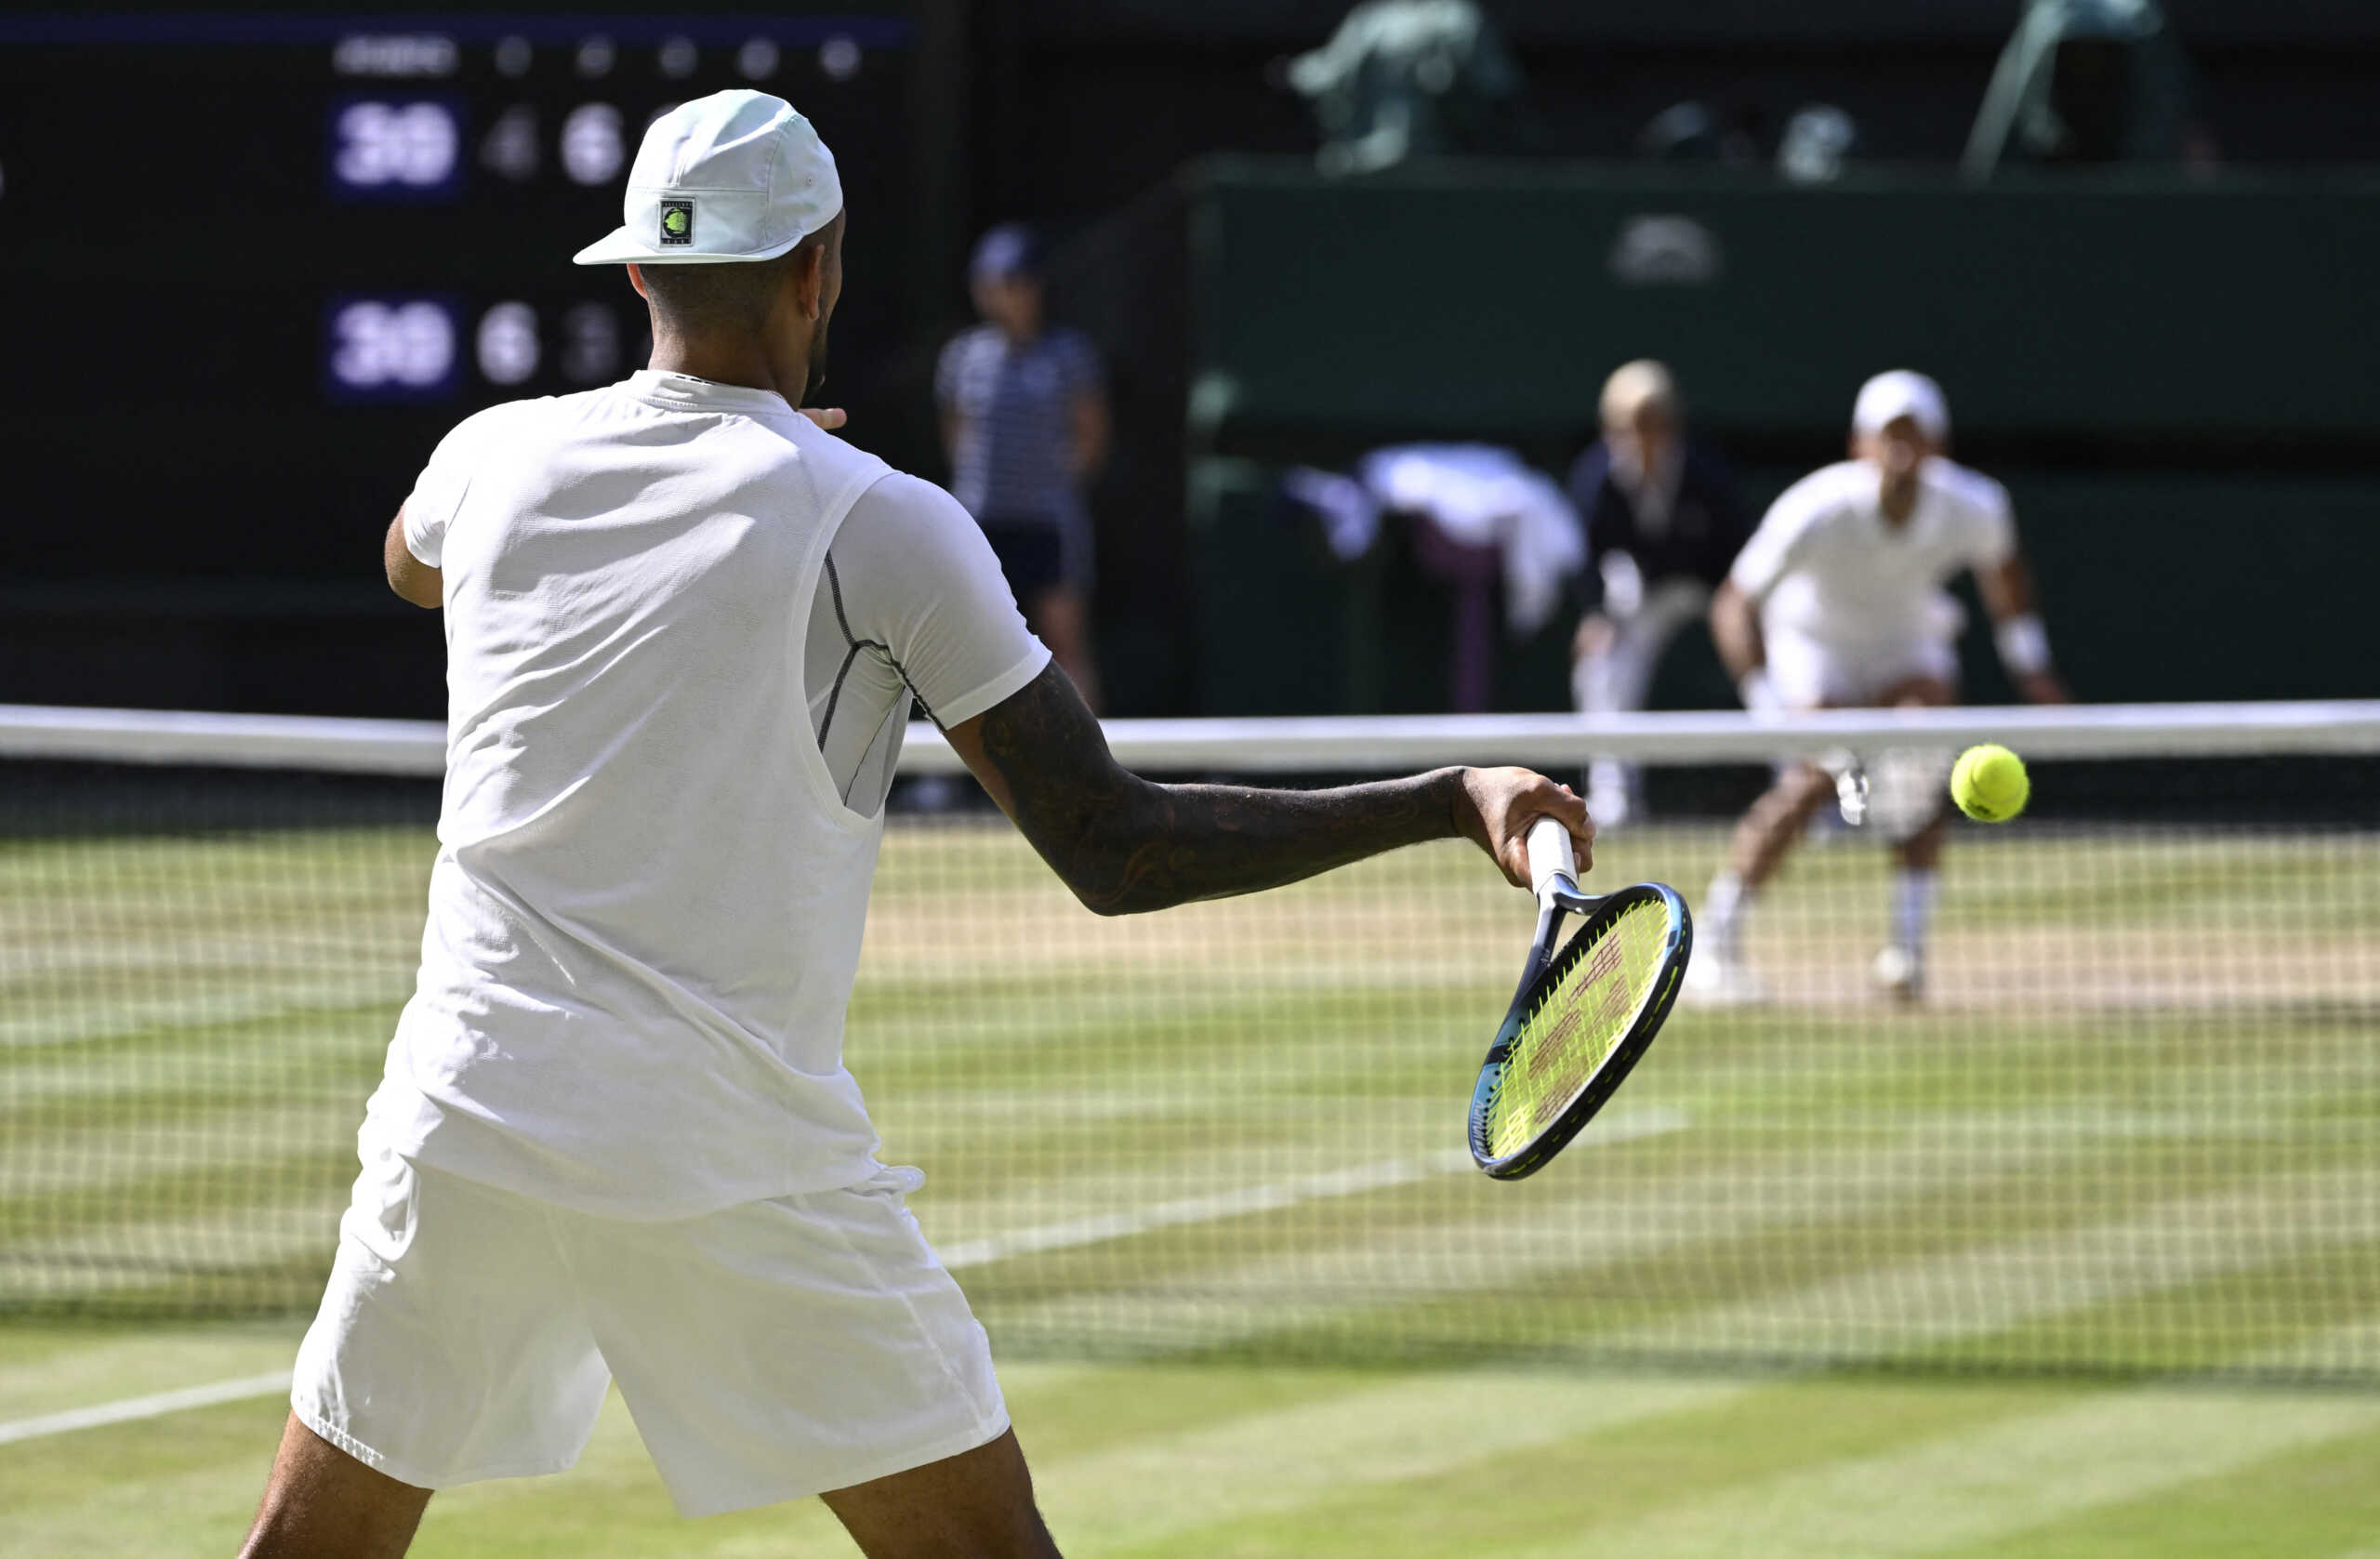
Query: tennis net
point(2134, 1127)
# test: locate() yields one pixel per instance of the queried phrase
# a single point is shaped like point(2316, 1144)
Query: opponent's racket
point(1581, 1017)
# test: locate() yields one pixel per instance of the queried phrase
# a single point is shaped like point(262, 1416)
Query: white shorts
point(1808, 673)
point(767, 1352)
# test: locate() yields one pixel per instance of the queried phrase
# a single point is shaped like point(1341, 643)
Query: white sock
point(1725, 907)
point(1913, 908)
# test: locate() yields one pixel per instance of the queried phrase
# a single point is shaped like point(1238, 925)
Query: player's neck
point(1896, 500)
point(738, 360)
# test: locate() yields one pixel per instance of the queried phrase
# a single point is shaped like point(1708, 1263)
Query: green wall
point(2179, 383)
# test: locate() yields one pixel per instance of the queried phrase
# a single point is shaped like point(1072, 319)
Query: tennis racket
point(1582, 1017)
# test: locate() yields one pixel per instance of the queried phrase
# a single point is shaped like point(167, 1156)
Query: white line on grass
point(156, 1404)
point(1265, 1198)
point(1049, 1236)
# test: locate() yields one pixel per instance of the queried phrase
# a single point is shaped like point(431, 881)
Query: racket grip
point(1550, 855)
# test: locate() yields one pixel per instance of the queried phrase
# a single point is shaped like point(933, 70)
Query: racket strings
point(1589, 1003)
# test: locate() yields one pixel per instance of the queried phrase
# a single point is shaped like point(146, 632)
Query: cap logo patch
point(677, 222)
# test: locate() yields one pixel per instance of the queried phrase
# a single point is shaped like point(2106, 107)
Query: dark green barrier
point(1489, 300)
point(2179, 383)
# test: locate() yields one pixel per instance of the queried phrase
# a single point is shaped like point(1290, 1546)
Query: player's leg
point(1806, 675)
point(1763, 838)
point(807, 1345)
point(446, 1350)
point(1900, 964)
point(322, 1504)
point(977, 1502)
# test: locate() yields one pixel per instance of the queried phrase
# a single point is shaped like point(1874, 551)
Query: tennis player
point(615, 1140)
point(1837, 602)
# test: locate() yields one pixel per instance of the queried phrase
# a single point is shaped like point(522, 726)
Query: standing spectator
point(1025, 422)
point(1662, 524)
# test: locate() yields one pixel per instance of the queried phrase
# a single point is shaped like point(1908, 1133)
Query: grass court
point(2082, 1259)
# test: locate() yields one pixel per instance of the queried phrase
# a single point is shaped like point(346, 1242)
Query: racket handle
point(1550, 855)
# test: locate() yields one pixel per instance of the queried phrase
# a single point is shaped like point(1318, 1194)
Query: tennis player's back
point(645, 874)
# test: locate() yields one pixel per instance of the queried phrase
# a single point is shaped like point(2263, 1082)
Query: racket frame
point(1558, 896)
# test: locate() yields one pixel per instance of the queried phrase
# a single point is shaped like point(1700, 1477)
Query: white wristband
point(1759, 694)
point(2024, 644)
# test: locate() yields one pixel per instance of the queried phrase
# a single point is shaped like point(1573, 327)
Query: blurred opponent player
point(1837, 602)
point(616, 1139)
point(1662, 524)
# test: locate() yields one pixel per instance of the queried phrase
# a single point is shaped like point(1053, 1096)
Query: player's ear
point(635, 279)
point(807, 277)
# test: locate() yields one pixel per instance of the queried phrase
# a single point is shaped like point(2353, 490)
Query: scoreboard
point(259, 263)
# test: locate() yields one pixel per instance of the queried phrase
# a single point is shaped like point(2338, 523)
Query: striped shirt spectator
point(1013, 460)
point(1024, 422)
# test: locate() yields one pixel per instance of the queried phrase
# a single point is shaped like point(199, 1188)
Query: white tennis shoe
point(1899, 972)
point(1716, 978)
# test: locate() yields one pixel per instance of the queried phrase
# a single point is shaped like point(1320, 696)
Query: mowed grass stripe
point(1636, 1232)
point(1608, 1272)
point(1984, 1288)
point(2302, 1314)
point(62, 1367)
point(1960, 1489)
point(1037, 1157)
point(2315, 1500)
point(1254, 1465)
point(1559, 1492)
point(161, 1062)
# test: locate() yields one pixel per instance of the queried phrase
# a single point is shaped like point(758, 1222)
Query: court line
point(1050, 1237)
point(155, 1405)
point(1349, 1181)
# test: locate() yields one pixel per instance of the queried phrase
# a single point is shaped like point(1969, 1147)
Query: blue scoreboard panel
point(259, 263)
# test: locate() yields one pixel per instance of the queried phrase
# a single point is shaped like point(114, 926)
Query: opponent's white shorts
point(1808, 672)
point(771, 1351)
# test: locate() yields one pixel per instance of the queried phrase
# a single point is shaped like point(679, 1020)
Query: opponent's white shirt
point(1825, 564)
point(646, 906)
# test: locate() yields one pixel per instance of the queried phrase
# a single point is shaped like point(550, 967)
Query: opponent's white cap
point(1901, 394)
point(736, 176)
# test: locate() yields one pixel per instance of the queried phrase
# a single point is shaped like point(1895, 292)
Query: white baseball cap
point(736, 176)
point(1897, 394)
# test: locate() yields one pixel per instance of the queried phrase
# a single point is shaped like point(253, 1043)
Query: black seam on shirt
point(844, 621)
point(850, 653)
point(889, 716)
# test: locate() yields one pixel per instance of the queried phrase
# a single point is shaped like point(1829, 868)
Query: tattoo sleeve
point(1125, 844)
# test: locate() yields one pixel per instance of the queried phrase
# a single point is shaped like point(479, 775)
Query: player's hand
point(828, 417)
point(2043, 687)
point(1494, 808)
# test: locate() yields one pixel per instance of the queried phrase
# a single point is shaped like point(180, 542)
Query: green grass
point(1849, 1279)
point(1150, 1460)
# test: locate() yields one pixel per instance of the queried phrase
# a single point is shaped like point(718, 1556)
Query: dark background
point(2175, 374)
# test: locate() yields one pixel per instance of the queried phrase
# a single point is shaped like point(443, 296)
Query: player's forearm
point(1124, 844)
point(2018, 633)
point(1735, 629)
point(1179, 843)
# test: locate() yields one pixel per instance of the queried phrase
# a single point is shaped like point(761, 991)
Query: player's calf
point(322, 1504)
point(977, 1504)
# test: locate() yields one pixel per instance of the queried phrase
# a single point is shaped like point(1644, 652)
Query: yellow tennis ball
point(1990, 784)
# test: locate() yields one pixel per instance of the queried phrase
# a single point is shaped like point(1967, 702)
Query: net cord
point(1309, 743)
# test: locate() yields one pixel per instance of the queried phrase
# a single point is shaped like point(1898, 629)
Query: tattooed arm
point(1124, 844)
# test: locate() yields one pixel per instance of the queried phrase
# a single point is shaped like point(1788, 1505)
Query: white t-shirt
point(646, 908)
point(1826, 565)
